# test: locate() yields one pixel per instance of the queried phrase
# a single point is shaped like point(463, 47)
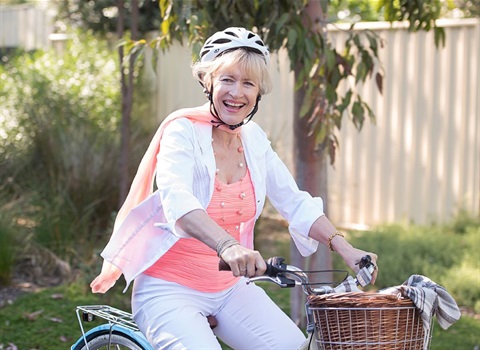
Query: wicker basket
point(367, 321)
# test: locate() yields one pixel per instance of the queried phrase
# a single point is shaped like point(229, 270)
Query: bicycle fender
point(105, 328)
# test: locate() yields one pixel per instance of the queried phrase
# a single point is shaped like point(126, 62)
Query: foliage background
point(59, 145)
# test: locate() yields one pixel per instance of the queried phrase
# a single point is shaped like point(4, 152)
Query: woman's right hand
point(106, 279)
point(244, 261)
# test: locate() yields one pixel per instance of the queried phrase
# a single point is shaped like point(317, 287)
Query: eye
point(226, 79)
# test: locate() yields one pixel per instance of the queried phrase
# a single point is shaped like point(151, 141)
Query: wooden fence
point(26, 25)
point(419, 162)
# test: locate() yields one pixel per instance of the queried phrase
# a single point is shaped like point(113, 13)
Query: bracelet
point(224, 243)
point(332, 236)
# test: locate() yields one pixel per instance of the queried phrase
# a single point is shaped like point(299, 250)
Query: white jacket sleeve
point(178, 173)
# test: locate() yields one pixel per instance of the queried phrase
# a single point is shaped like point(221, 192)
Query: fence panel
point(419, 162)
point(27, 26)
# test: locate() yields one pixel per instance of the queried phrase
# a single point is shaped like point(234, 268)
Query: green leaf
point(330, 58)
point(373, 44)
point(309, 47)
point(281, 22)
point(439, 36)
point(331, 95)
point(361, 72)
point(371, 115)
point(320, 135)
point(356, 41)
point(335, 77)
point(292, 38)
point(358, 115)
point(337, 119)
point(164, 6)
point(368, 61)
point(379, 81)
point(345, 101)
point(306, 105)
point(300, 80)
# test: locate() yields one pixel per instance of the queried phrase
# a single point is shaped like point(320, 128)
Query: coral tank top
point(195, 265)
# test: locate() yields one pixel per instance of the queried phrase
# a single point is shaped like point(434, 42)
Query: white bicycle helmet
point(230, 39)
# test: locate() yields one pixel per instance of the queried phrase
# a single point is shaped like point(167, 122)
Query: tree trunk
point(311, 167)
point(127, 83)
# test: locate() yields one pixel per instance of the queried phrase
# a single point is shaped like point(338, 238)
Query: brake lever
point(364, 275)
point(279, 280)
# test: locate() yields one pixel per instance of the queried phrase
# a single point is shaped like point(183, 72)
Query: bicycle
point(121, 332)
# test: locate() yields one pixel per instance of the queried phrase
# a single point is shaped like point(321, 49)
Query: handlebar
point(289, 276)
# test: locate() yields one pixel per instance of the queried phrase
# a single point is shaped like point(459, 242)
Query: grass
point(46, 319)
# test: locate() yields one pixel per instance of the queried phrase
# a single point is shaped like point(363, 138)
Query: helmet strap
point(219, 121)
point(213, 110)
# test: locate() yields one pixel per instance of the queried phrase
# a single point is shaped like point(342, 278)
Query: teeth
point(234, 104)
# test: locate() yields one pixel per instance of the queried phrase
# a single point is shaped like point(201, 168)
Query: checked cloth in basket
point(430, 299)
point(346, 286)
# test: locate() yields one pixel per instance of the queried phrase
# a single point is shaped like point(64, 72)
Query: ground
point(35, 269)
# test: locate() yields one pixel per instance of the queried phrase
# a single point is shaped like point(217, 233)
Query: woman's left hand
point(353, 256)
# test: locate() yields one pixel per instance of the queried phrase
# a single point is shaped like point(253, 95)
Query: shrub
point(59, 138)
point(7, 251)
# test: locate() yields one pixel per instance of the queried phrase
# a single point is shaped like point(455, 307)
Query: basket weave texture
point(366, 321)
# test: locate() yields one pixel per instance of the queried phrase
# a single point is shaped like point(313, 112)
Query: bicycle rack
point(113, 315)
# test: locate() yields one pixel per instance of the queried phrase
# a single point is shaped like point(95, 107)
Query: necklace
point(232, 163)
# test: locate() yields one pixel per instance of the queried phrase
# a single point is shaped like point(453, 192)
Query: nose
point(237, 90)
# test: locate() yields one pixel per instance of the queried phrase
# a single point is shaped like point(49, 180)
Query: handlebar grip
point(223, 266)
point(272, 266)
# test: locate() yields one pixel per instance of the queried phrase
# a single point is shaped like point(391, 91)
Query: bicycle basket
point(367, 321)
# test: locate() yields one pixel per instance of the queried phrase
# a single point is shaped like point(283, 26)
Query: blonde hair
point(249, 62)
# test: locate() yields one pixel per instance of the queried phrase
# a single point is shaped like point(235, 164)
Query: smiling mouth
point(233, 105)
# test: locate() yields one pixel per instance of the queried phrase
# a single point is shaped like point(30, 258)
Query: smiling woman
point(235, 96)
point(239, 74)
point(214, 169)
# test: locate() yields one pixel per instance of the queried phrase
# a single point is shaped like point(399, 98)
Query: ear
point(208, 85)
point(208, 93)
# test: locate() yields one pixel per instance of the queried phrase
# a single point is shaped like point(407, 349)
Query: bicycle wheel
point(113, 342)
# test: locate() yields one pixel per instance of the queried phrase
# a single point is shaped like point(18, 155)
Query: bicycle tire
point(117, 341)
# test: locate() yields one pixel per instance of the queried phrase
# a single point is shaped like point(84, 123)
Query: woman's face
point(234, 95)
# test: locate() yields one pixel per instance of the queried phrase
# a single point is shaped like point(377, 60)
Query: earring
point(207, 94)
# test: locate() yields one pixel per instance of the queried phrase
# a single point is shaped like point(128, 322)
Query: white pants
point(174, 317)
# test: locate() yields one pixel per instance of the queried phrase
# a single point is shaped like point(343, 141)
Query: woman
point(214, 170)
